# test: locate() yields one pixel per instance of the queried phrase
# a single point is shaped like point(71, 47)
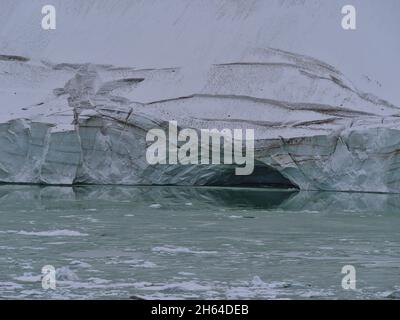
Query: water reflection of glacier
point(205, 198)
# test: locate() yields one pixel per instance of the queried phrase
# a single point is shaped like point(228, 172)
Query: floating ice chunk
point(53, 233)
point(173, 249)
point(155, 205)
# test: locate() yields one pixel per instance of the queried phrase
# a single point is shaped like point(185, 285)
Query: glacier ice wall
point(76, 102)
point(313, 128)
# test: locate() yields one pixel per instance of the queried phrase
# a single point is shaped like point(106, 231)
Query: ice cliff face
point(63, 121)
point(87, 123)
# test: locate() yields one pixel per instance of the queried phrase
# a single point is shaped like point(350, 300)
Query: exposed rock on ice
point(86, 123)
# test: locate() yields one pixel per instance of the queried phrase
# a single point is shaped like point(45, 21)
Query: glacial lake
point(197, 242)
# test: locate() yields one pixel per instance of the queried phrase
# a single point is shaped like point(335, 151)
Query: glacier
point(67, 122)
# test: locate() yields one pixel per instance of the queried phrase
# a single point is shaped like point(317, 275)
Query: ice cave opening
point(262, 176)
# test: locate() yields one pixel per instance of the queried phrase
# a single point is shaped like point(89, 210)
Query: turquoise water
point(180, 242)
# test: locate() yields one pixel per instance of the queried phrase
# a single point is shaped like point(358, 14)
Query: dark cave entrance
point(262, 176)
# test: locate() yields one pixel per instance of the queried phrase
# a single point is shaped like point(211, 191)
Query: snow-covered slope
point(173, 33)
point(76, 102)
